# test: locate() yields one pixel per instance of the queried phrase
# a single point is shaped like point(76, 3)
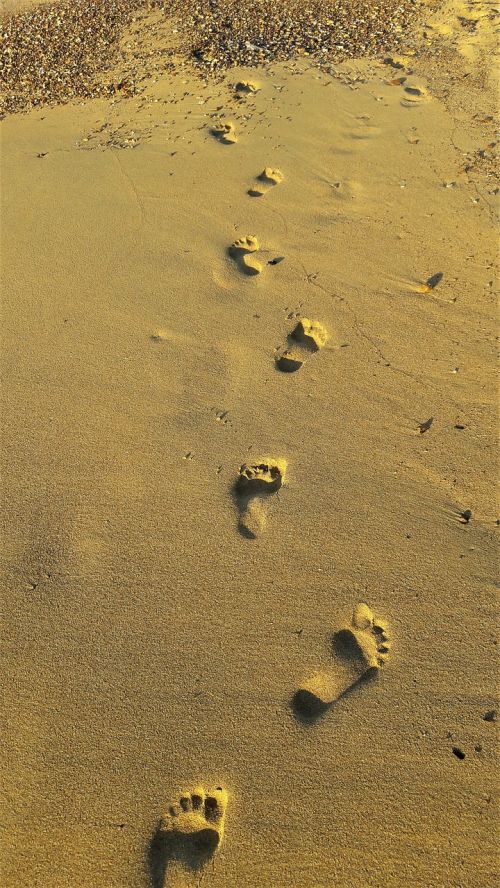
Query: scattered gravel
point(54, 52)
point(223, 33)
point(65, 50)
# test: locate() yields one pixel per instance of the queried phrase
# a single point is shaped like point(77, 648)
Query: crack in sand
point(132, 188)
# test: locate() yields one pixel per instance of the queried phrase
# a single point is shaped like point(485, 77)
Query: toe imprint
point(198, 816)
point(247, 244)
point(224, 131)
point(263, 477)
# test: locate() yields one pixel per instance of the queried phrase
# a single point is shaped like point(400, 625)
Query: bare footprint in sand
point(268, 178)
point(254, 484)
point(188, 835)
point(241, 251)
point(360, 651)
point(246, 87)
point(305, 339)
point(415, 94)
point(224, 131)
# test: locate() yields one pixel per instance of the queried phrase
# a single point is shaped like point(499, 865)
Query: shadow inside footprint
point(192, 852)
point(346, 646)
point(308, 707)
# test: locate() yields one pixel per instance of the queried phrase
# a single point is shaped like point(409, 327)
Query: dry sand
point(189, 532)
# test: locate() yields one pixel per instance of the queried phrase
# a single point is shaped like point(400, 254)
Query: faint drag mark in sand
point(363, 130)
point(268, 178)
point(357, 136)
point(187, 836)
point(224, 131)
point(241, 251)
point(305, 339)
point(253, 487)
point(360, 650)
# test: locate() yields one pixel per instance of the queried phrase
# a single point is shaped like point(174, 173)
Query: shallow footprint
point(306, 338)
point(224, 132)
point(188, 834)
point(254, 484)
point(241, 251)
point(360, 650)
point(268, 178)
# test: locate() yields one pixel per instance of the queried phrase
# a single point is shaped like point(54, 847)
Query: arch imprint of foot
point(360, 651)
point(188, 835)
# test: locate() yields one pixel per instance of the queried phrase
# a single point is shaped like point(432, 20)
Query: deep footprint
point(305, 339)
point(360, 651)
point(254, 484)
point(268, 178)
point(241, 251)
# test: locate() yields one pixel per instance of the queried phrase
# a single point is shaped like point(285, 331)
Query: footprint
point(224, 132)
point(267, 179)
point(360, 650)
point(414, 94)
point(241, 251)
point(189, 833)
point(307, 337)
point(246, 87)
point(364, 131)
point(254, 484)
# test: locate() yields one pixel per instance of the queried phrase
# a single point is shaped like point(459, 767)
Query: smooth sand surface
point(151, 644)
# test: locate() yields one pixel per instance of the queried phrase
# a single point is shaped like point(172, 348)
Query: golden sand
point(249, 615)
